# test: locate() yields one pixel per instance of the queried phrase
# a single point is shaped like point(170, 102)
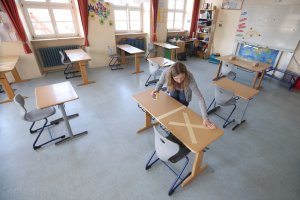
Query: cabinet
point(205, 31)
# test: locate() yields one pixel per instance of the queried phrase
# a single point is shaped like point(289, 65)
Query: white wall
point(100, 36)
point(26, 66)
point(227, 21)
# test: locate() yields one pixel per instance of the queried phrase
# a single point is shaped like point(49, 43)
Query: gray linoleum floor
point(260, 160)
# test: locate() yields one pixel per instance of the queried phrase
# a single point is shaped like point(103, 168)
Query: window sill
point(55, 39)
point(125, 34)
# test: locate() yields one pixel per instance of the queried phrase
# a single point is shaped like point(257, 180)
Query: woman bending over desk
point(181, 84)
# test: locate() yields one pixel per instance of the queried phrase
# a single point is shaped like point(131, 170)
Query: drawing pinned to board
point(102, 9)
point(243, 31)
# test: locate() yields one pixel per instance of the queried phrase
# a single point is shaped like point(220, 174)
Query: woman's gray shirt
point(192, 88)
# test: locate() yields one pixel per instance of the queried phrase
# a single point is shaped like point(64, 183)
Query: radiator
point(138, 43)
point(50, 56)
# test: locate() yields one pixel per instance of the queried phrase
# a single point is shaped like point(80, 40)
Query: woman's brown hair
point(176, 69)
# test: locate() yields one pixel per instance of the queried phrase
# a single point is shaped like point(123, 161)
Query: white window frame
point(50, 6)
point(183, 10)
point(129, 8)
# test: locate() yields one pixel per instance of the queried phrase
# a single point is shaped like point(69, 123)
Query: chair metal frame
point(163, 158)
point(68, 70)
point(153, 69)
point(19, 100)
point(114, 62)
point(151, 49)
point(215, 108)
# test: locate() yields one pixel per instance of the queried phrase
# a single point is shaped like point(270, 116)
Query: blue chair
point(169, 151)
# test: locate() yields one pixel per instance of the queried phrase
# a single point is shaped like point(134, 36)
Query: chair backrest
point(153, 67)
point(19, 100)
point(63, 58)
point(222, 96)
point(150, 46)
point(165, 148)
point(110, 51)
point(226, 68)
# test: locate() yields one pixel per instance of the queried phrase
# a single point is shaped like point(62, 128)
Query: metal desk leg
point(56, 121)
point(66, 120)
point(241, 120)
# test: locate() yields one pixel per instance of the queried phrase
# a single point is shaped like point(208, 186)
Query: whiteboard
point(273, 24)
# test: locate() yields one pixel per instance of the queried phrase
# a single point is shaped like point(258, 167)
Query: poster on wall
point(101, 9)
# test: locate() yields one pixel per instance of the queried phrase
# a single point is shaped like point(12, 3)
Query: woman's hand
point(209, 124)
point(154, 94)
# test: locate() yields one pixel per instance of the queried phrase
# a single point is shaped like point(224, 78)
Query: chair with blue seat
point(69, 71)
point(169, 151)
point(35, 116)
point(223, 98)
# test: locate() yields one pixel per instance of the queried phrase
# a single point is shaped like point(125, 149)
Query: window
point(179, 14)
point(50, 18)
point(128, 17)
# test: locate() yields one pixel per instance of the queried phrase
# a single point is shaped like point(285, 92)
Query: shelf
point(206, 10)
point(204, 41)
point(202, 33)
point(204, 26)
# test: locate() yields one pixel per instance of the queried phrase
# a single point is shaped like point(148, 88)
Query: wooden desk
point(162, 62)
point(164, 104)
point(132, 50)
point(58, 94)
point(168, 46)
point(185, 124)
point(80, 57)
point(8, 64)
point(239, 90)
point(247, 65)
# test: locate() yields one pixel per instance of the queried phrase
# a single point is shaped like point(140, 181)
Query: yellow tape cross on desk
point(189, 127)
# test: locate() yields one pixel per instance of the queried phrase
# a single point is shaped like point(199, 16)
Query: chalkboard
point(270, 23)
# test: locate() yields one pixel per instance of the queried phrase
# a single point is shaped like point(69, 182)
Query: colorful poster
point(101, 9)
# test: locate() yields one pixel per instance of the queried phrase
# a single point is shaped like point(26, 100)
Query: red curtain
point(83, 9)
point(194, 20)
point(154, 10)
point(12, 12)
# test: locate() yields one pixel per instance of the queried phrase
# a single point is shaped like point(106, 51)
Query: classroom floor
point(260, 160)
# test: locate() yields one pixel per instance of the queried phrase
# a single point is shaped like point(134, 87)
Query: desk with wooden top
point(184, 124)
point(168, 46)
point(159, 61)
point(247, 65)
point(58, 94)
point(8, 64)
point(80, 57)
point(239, 90)
point(132, 50)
